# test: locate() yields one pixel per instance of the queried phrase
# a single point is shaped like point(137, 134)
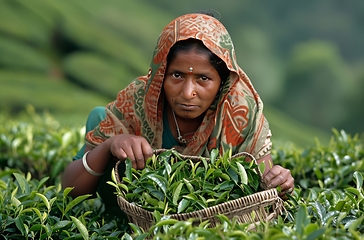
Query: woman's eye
point(176, 75)
point(204, 78)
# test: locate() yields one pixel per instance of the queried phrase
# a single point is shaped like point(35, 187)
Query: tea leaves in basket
point(172, 184)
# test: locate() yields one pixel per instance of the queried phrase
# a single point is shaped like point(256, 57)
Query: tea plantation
point(327, 202)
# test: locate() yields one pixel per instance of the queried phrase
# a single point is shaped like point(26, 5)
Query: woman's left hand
point(279, 176)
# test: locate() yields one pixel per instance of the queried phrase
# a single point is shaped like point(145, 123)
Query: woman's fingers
point(147, 150)
point(279, 176)
point(136, 148)
point(135, 154)
point(119, 153)
point(275, 176)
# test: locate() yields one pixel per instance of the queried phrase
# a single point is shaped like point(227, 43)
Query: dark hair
point(211, 13)
point(198, 46)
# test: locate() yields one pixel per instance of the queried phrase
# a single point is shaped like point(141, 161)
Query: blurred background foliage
point(305, 58)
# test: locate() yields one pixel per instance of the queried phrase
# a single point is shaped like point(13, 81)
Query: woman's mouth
point(187, 107)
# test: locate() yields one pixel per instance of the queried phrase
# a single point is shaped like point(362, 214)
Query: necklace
point(180, 138)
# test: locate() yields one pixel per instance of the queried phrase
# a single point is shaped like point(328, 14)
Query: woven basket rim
point(252, 201)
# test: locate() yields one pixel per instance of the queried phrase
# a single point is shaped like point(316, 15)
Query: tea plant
point(29, 209)
point(330, 167)
point(40, 146)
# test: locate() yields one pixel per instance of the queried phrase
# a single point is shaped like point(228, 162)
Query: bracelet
point(88, 169)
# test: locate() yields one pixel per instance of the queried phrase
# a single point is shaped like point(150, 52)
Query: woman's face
point(190, 93)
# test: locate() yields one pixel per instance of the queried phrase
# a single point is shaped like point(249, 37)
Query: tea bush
point(326, 167)
point(39, 146)
point(328, 201)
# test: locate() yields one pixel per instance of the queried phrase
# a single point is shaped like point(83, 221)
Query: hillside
point(70, 56)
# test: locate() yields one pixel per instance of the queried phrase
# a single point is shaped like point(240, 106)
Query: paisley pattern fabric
point(235, 120)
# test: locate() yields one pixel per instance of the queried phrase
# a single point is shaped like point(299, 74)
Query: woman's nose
point(189, 89)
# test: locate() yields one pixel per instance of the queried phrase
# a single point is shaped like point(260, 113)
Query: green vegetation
point(67, 57)
point(327, 202)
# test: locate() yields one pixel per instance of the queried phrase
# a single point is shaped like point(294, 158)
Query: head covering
point(236, 121)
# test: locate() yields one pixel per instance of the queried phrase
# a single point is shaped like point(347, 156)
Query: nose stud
point(190, 70)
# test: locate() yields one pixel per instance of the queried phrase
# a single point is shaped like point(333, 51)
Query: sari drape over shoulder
point(235, 120)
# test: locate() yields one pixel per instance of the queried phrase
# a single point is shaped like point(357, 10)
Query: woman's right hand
point(121, 146)
point(136, 148)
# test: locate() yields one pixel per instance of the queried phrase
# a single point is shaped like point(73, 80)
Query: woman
point(194, 98)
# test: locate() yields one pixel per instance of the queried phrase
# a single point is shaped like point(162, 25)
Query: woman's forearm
point(76, 176)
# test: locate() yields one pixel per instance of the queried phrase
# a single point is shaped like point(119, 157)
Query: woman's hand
point(279, 176)
point(136, 148)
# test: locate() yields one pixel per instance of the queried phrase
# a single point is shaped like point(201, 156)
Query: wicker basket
point(255, 208)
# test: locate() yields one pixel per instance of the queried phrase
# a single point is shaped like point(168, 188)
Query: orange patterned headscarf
point(234, 121)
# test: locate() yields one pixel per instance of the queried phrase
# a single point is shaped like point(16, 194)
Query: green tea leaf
point(232, 172)
point(205, 233)
point(209, 172)
point(166, 155)
point(48, 229)
point(193, 168)
point(225, 176)
point(167, 168)
point(76, 201)
point(354, 225)
point(128, 171)
point(302, 220)
point(242, 174)
point(177, 193)
point(42, 182)
point(318, 173)
point(158, 194)
point(213, 155)
point(135, 229)
point(81, 228)
point(113, 176)
point(261, 167)
point(45, 201)
point(36, 227)
point(222, 198)
point(66, 191)
point(66, 139)
point(36, 210)
point(339, 205)
point(200, 173)
point(127, 236)
point(205, 164)
point(191, 196)
point(358, 178)
point(160, 181)
point(152, 201)
point(166, 222)
point(20, 225)
point(182, 205)
point(23, 184)
point(225, 160)
point(61, 224)
point(217, 172)
point(354, 191)
point(226, 185)
point(166, 209)
point(16, 143)
point(123, 186)
point(189, 186)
